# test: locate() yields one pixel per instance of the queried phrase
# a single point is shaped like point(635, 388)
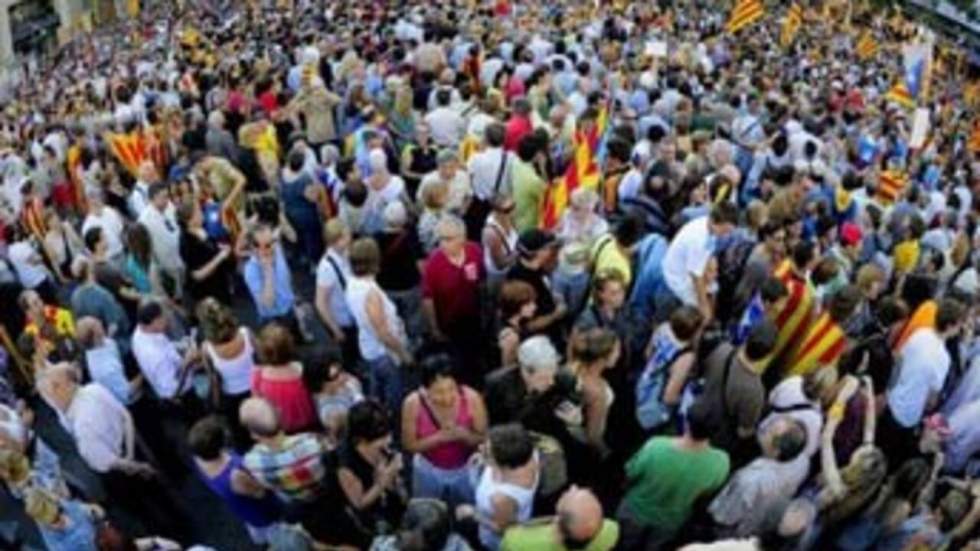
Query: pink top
point(290, 397)
point(450, 455)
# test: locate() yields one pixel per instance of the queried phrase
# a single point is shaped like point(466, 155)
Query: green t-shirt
point(666, 481)
point(541, 535)
point(529, 191)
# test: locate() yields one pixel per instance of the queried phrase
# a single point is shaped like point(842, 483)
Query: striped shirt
point(295, 471)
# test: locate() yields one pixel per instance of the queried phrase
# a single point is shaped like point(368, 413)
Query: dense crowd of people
point(492, 275)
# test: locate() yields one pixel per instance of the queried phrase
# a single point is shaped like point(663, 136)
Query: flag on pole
point(744, 14)
point(914, 82)
point(867, 46)
point(791, 25)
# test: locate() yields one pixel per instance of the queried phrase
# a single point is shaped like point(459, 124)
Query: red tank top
point(450, 455)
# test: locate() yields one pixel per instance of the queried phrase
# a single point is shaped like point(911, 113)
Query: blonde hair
point(868, 275)
point(403, 100)
point(41, 506)
point(14, 467)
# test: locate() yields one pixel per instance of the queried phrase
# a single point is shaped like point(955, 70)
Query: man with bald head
point(293, 466)
point(578, 524)
point(106, 439)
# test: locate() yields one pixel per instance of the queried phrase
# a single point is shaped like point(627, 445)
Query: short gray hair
point(537, 354)
point(451, 223)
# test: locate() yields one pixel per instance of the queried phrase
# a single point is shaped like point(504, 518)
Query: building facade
point(31, 28)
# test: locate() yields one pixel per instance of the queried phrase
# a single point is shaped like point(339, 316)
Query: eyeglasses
point(266, 246)
point(450, 237)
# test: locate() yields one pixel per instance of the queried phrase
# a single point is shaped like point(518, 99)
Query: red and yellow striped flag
point(133, 148)
point(823, 345)
point(744, 14)
point(867, 46)
point(791, 25)
point(129, 149)
point(582, 170)
point(794, 318)
point(899, 94)
point(924, 317)
point(891, 184)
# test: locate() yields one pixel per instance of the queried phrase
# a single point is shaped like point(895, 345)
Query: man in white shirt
point(490, 169)
point(156, 355)
point(687, 258)
point(160, 220)
point(446, 124)
point(104, 434)
point(29, 265)
point(921, 373)
point(139, 197)
point(108, 219)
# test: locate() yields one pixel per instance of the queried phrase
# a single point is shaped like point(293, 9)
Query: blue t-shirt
point(77, 535)
point(284, 299)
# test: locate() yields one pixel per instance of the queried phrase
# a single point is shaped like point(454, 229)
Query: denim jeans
point(452, 486)
point(386, 383)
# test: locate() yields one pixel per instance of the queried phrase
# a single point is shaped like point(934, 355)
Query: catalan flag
point(867, 46)
point(744, 14)
point(134, 148)
point(793, 320)
point(823, 345)
point(891, 184)
point(791, 25)
point(582, 170)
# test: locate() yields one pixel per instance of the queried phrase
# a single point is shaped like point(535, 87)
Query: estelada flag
point(791, 25)
point(744, 14)
point(891, 184)
point(867, 46)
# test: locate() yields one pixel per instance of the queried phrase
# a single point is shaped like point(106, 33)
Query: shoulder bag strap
point(428, 410)
point(500, 172)
point(338, 272)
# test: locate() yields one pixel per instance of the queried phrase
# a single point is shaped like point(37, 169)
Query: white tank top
point(510, 243)
point(236, 373)
point(370, 345)
point(487, 488)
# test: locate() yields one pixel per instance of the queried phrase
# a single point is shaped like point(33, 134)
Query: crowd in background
point(492, 275)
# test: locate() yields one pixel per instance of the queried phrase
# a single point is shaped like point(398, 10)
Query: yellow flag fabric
point(744, 14)
point(867, 46)
point(791, 25)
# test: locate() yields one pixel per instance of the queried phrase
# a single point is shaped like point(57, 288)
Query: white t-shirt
point(335, 275)
point(164, 236)
point(26, 261)
point(922, 368)
point(687, 255)
point(447, 126)
point(112, 229)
